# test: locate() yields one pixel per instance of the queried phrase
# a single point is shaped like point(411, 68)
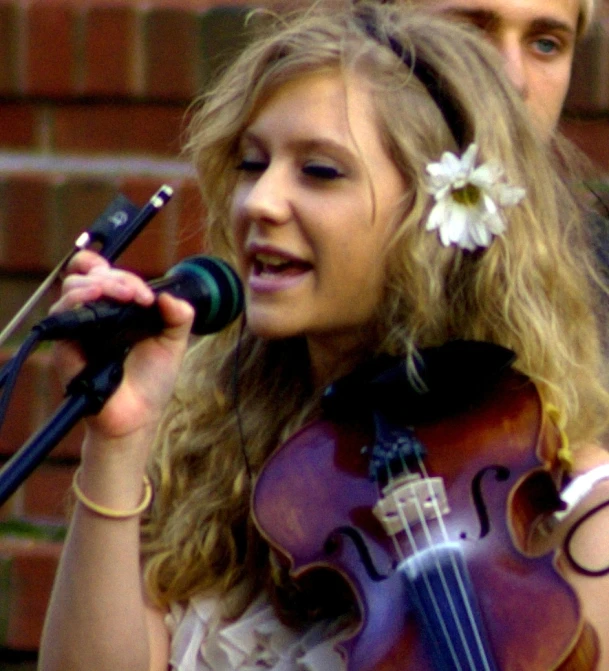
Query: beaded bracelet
point(110, 512)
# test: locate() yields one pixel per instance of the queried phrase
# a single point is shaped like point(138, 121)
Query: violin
point(428, 506)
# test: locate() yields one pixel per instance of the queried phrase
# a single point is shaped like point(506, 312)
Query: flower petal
point(486, 176)
point(468, 222)
point(455, 228)
point(437, 216)
point(468, 159)
point(510, 195)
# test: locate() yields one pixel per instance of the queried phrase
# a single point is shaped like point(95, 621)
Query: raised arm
point(99, 618)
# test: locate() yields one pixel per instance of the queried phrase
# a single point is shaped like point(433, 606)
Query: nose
point(514, 62)
point(266, 198)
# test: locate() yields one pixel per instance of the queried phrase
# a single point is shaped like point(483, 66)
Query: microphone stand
point(114, 230)
point(86, 395)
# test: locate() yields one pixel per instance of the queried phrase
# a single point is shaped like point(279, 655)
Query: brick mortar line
point(94, 166)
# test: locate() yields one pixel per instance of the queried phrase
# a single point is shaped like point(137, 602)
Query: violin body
point(314, 503)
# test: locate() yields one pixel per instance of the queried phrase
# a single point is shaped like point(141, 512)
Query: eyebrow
point(320, 143)
point(484, 17)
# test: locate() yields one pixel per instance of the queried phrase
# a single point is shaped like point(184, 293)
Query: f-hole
point(332, 544)
point(502, 473)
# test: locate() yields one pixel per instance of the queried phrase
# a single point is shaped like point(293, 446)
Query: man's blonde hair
point(586, 15)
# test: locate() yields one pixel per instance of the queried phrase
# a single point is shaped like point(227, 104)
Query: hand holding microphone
point(105, 309)
point(208, 284)
point(132, 338)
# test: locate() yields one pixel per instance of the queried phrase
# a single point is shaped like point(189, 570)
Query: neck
point(334, 356)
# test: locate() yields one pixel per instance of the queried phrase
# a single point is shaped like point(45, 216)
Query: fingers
point(82, 262)
point(177, 314)
point(151, 367)
point(91, 277)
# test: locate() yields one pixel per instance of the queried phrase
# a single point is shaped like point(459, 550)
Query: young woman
point(395, 221)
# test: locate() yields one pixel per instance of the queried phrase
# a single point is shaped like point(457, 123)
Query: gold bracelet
point(110, 512)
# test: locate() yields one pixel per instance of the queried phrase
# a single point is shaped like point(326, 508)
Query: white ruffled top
point(202, 641)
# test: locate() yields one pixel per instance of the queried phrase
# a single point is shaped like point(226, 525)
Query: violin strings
point(445, 589)
point(394, 540)
point(440, 571)
point(455, 567)
point(415, 550)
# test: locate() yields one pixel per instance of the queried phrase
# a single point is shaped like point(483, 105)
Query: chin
point(267, 330)
point(272, 322)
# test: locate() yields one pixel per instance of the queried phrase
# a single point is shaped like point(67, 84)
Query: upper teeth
point(270, 259)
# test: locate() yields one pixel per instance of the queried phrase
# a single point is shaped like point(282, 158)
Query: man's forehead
point(564, 12)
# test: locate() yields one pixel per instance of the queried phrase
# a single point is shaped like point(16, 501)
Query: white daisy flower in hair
point(468, 200)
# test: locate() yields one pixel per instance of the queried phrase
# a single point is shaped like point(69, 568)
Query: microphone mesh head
point(213, 288)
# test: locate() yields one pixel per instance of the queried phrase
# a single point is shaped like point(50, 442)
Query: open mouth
point(270, 265)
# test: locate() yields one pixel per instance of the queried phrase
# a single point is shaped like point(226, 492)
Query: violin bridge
point(409, 500)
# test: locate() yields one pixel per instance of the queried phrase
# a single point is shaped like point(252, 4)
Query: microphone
point(209, 284)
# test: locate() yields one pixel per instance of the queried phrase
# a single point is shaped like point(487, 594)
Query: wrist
point(111, 471)
point(113, 513)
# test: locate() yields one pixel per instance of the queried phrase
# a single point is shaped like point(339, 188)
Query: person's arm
point(590, 548)
point(99, 618)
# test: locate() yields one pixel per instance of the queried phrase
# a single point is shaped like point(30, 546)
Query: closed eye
point(325, 172)
point(248, 165)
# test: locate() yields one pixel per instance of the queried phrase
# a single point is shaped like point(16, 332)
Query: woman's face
point(312, 212)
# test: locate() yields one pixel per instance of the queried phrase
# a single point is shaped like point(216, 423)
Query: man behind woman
point(536, 40)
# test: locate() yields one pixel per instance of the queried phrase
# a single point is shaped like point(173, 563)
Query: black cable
point(599, 199)
point(237, 401)
point(568, 539)
point(10, 371)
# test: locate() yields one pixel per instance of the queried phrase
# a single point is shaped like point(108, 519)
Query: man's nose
point(514, 62)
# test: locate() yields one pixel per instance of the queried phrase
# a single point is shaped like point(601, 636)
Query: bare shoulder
point(583, 559)
point(590, 456)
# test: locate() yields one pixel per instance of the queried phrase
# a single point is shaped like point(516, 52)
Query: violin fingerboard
point(440, 589)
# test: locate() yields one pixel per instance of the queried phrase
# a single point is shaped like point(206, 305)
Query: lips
point(265, 264)
point(273, 270)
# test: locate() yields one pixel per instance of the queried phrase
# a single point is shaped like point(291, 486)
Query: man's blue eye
point(546, 46)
